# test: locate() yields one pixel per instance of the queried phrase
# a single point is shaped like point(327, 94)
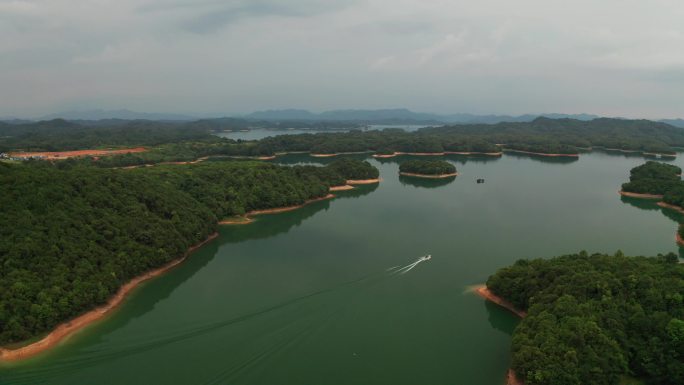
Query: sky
point(210, 57)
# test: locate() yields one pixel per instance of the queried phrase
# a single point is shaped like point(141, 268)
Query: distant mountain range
point(380, 116)
point(674, 122)
point(402, 115)
point(115, 114)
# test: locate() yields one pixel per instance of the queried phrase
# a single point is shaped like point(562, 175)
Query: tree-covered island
point(424, 168)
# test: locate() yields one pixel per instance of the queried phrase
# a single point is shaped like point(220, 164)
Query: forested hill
point(70, 236)
point(595, 318)
point(192, 140)
point(62, 135)
point(637, 135)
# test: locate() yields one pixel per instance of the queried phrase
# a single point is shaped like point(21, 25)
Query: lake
point(312, 296)
point(260, 133)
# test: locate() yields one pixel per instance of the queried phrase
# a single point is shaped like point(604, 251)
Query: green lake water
point(306, 297)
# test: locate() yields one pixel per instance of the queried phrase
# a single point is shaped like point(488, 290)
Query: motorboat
point(426, 257)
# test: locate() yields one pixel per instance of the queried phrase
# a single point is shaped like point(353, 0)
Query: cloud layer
point(613, 57)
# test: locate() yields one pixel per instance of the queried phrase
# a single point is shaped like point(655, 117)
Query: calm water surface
point(305, 297)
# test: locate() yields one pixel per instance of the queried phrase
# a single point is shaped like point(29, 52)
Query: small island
point(651, 180)
point(433, 169)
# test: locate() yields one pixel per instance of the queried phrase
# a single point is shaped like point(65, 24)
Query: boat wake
point(403, 270)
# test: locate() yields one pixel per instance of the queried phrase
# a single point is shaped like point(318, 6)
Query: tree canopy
point(593, 318)
point(653, 178)
point(427, 167)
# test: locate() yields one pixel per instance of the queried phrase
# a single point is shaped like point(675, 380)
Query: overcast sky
point(608, 57)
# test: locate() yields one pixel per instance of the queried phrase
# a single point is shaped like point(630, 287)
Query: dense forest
point(653, 178)
point(61, 135)
point(427, 167)
point(191, 140)
point(594, 318)
point(71, 235)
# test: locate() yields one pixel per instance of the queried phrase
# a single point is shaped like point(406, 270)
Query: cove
point(304, 297)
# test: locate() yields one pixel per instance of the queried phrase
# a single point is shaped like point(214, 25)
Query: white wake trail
point(394, 271)
point(405, 268)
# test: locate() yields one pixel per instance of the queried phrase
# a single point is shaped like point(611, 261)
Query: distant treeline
point(595, 318)
point(569, 135)
point(71, 235)
point(188, 141)
point(62, 135)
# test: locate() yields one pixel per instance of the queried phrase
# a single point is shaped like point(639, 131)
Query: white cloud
point(613, 57)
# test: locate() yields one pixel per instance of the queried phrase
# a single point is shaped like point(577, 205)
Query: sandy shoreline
point(640, 196)
point(474, 153)
point(671, 207)
point(512, 379)
point(276, 210)
point(655, 154)
point(485, 293)
point(337, 154)
point(382, 156)
point(237, 221)
point(344, 187)
point(543, 154)
point(426, 176)
point(66, 329)
point(363, 181)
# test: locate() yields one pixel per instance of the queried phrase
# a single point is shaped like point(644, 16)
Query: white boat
point(426, 257)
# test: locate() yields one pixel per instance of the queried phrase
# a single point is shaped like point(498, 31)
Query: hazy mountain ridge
point(364, 116)
point(122, 114)
point(403, 115)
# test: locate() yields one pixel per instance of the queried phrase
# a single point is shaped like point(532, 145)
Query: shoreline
point(551, 155)
point(639, 196)
point(659, 155)
point(484, 292)
point(68, 328)
point(671, 207)
point(679, 239)
point(236, 221)
point(363, 181)
point(336, 154)
point(500, 153)
point(428, 176)
point(344, 187)
point(275, 210)
point(512, 378)
point(398, 153)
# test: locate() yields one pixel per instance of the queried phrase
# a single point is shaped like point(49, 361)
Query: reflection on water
point(266, 226)
point(651, 205)
point(643, 204)
point(544, 159)
point(425, 182)
point(454, 158)
point(497, 321)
